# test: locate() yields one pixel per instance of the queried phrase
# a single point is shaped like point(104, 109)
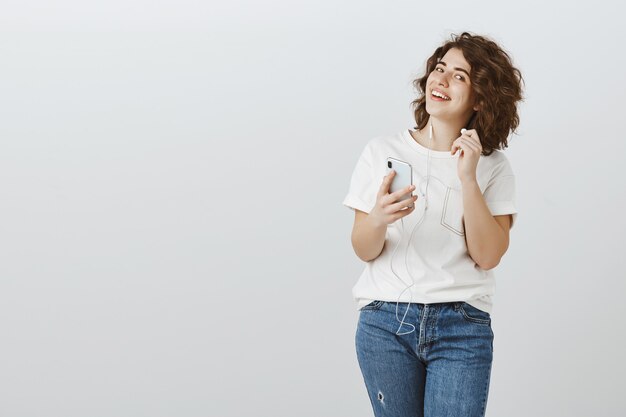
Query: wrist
point(469, 182)
point(374, 222)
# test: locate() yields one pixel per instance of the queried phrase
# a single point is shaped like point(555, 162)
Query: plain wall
point(173, 241)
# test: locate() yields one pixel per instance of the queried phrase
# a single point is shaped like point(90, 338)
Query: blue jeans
point(440, 369)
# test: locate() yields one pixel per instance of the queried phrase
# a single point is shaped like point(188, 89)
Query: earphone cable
point(409, 243)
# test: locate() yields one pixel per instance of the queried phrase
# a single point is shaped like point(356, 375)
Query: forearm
point(368, 239)
point(486, 241)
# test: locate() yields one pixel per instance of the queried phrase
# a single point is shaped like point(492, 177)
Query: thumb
point(384, 186)
point(455, 146)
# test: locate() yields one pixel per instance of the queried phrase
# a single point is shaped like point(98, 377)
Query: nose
point(443, 81)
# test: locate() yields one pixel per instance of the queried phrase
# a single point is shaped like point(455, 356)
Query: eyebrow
point(456, 68)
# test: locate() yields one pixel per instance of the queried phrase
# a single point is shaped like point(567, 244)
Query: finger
point(384, 186)
point(472, 139)
point(456, 145)
point(395, 196)
point(471, 135)
point(410, 202)
point(405, 212)
point(406, 203)
point(462, 147)
point(470, 145)
point(475, 144)
point(469, 132)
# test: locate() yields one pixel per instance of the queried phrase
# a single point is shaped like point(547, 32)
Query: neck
point(444, 133)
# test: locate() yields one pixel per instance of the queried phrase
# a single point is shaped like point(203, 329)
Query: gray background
point(171, 176)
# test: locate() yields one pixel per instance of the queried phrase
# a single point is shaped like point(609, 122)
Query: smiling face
point(452, 77)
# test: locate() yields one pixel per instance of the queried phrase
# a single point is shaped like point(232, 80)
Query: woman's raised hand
point(387, 208)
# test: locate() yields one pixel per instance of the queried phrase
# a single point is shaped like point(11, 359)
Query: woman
point(453, 232)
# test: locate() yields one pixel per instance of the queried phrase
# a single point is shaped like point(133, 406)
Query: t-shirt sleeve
point(363, 189)
point(500, 193)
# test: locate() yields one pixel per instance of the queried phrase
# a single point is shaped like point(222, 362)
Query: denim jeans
point(440, 369)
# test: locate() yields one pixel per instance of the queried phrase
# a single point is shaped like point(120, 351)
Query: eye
point(461, 79)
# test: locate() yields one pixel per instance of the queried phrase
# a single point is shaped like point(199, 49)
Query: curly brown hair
point(495, 82)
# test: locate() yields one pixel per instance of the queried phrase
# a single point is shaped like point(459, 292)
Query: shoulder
point(380, 145)
point(383, 141)
point(498, 164)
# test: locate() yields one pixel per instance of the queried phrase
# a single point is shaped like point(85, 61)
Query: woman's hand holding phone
point(387, 209)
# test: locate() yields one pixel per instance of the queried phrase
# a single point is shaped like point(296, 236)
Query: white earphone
point(425, 196)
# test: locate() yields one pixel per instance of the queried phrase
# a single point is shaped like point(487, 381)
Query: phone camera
point(388, 164)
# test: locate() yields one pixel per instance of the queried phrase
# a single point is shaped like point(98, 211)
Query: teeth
point(438, 94)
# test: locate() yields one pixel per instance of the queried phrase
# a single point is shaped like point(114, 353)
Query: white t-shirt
point(438, 261)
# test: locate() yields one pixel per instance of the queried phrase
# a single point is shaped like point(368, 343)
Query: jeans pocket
point(452, 214)
point(374, 305)
point(474, 315)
